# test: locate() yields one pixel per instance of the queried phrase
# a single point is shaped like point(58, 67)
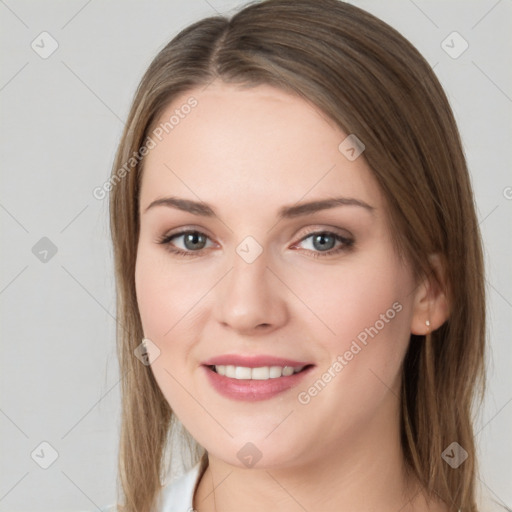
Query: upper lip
point(253, 361)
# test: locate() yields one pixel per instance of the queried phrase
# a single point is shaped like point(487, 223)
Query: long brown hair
point(373, 83)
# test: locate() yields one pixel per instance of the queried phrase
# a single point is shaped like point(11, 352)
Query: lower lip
point(253, 390)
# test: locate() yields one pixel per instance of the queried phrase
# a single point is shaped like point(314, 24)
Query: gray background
point(62, 117)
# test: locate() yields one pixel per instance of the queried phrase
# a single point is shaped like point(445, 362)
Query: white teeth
point(275, 372)
point(221, 369)
point(261, 373)
point(242, 372)
point(287, 371)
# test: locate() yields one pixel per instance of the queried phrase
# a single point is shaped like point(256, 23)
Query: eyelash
point(347, 244)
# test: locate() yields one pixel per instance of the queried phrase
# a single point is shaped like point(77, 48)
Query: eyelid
point(182, 230)
point(344, 234)
point(324, 228)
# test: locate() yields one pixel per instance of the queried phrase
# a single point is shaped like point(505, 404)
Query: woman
point(299, 271)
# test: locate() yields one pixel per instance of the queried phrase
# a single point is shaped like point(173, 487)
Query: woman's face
point(288, 262)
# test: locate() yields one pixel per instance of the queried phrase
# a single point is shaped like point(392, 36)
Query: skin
point(247, 153)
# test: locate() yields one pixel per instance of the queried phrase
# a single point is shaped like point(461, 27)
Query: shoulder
point(178, 495)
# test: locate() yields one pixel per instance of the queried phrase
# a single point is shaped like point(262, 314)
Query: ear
point(431, 304)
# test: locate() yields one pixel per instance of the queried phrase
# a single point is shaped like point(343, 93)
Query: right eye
point(192, 242)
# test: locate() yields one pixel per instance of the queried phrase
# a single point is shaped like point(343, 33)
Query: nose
point(251, 299)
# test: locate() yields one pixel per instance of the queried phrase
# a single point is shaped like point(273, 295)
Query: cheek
point(368, 308)
point(171, 303)
point(362, 312)
point(153, 296)
point(165, 298)
point(359, 294)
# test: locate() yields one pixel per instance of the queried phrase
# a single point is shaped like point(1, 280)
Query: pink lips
point(248, 389)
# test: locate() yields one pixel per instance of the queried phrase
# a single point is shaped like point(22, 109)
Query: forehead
point(256, 144)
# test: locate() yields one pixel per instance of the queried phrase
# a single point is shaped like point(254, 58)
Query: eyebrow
point(286, 212)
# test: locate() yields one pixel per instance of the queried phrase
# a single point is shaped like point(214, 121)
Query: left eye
point(325, 242)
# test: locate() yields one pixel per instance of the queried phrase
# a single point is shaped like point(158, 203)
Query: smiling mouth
point(259, 373)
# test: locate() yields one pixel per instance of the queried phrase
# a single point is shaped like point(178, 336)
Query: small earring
point(427, 323)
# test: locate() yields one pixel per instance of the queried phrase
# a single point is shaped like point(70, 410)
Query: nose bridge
point(251, 295)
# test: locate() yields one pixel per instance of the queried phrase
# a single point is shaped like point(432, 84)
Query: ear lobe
point(431, 302)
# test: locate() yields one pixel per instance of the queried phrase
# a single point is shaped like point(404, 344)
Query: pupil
point(195, 239)
point(320, 243)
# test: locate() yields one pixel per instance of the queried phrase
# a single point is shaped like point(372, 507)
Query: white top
point(175, 496)
point(178, 495)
